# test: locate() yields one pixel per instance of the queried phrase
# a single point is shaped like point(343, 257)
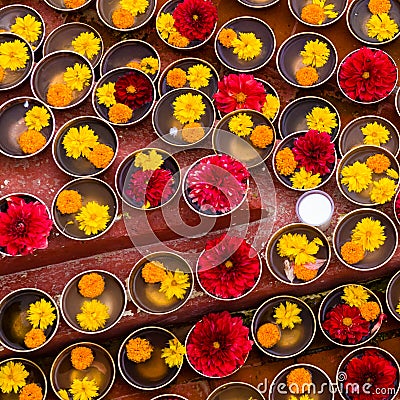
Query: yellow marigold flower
point(352, 252)
point(356, 177)
point(134, 64)
point(105, 94)
point(139, 350)
point(37, 118)
point(226, 36)
point(93, 218)
point(315, 53)
point(382, 27)
point(370, 310)
point(165, 25)
point(79, 141)
point(77, 77)
point(287, 316)
point(13, 55)
point(392, 173)
point(285, 162)
point(307, 76)
point(34, 338)
point(91, 285)
point(316, 12)
point(63, 394)
point(135, 7)
point(305, 397)
point(192, 132)
point(299, 380)
point(177, 40)
point(149, 65)
point(268, 335)
point(188, 108)
point(303, 273)
point(175, 284)
point(321, 119)
point(398, 308)
point(74, 3)
point(271, 106)
point(355, 295)
point(12, 377)
point(2, 74)
point(241, 124)
point(59, 95)
point(379, 6)
point(84, 389)
point(383, 191)
point(153, 272)
point(101, 155)
point(81, 357)
point(247, 46)
point(150, 161)
point(32, 391)
point(198, 76)
point(375, 134)
point(174, 353)
point(176, 78)
point(69, 202)
point(41, 314)
point(262, 136)
point(27, 27)
point(369, 233)
point(122, 19)
point(305, 180)
point(93, 315)
point(87, 44)
point(31, 141)
point(120, 113)
point(379, 163)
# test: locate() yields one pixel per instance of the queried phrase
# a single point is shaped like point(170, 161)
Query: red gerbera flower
point(218, 344)
point(397, 207)
point(195, 19)
point(367, 75)
point(150, 188)
point(134, 90)
point(345, 323)
point(229, 267)
point(236, 92)
point(315, 152)
point(217, 183)
point(24, 227)
point(373, 369)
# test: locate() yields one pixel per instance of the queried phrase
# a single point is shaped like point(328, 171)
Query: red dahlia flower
point(236, 92)
point(345, 323)
point(367, 75)
point(397, 207)
point(217, 183)
point(372, 369)
point(24, 227)
point(195, 19)
point(315, 152)
point(134, 90)
point(150, 188)
point(229, 267)
point(218, 344)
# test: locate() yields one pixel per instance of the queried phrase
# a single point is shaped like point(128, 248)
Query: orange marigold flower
point(313, 14)
point(101, 155)
point(379, 163)
point(31, 391)
point(352, 252)
point(268, 335)
point(59, 95)
point(69, 202)
point(307, 76)
point(34, 338)
point(139, 350)
point(370, 310)
point(303, 273)
point(2, 74)
point(192, 132)
point(120, 113)
point(81, 357)
point(298, 380)
point(122, 19)
point(176, 78)
point(91, 285)
point(226, 36)
point(31, 141)
point(74, 3)
point(285, 162)
point(133, 64)
point(153, 272)
point(177, 40)
point(379, 6)
point(262, 136)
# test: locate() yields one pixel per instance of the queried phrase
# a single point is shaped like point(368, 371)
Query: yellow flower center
point(240, 97)
point(131, 89)
point(93, 217)
point(173, 283)
point(195, 17)
point(347, 321)
point(365, 75)
point(229, 264)
point(216, 345)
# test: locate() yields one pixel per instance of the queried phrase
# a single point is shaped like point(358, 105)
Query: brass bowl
point(169, 396)
point(258, 3)
point(59, 5)
point(397, 101)
point(235, 390)
point(393, 295)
